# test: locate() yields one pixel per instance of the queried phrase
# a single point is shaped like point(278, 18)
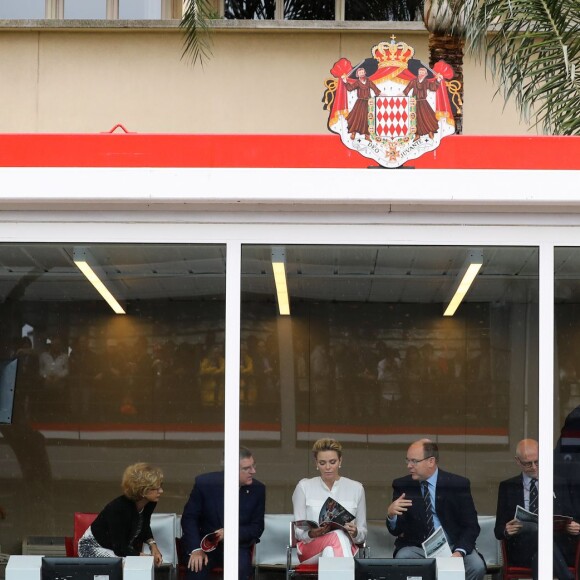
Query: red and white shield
point(393, 117)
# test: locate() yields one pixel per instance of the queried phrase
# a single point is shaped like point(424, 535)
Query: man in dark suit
point(428, 498)
point(522, 538)
point(204, 514)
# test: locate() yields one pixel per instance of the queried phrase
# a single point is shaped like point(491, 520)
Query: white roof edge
point(141, 187)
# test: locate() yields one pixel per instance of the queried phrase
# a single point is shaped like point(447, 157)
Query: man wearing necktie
point(522, 538)
point(428, 498)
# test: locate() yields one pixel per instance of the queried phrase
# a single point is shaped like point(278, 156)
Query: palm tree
point(198, 13)
point(446, 42)
point(532, 48)
point(197, 43)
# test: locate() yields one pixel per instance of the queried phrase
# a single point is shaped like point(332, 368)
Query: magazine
point(525, 516)
point(561, 522)
point(332, 515)
point(332, 511)
point(436, 545)
point(210, 542)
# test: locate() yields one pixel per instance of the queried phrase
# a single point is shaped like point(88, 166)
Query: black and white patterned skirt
point(90, 548)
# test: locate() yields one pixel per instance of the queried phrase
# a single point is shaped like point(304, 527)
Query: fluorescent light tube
point(281, 287)
point(84, 267)
point(463, 288)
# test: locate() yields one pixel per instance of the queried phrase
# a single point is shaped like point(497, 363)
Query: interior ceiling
point(330, 273)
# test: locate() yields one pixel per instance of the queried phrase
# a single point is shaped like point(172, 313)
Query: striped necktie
point(428, 508)
point(533, 496)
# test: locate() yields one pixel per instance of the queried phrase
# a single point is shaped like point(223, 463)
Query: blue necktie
point(428, 508)
point(533, 496)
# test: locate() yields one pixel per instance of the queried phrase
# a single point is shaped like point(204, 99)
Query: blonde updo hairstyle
point(139, 479)
point(326, 445)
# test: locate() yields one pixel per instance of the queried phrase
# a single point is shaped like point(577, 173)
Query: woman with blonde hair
point(124, 524)
point(312, 494)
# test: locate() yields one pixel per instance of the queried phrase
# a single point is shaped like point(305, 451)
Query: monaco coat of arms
point(390, 107)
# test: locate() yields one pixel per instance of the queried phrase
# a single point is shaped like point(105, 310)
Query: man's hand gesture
point(399, 506)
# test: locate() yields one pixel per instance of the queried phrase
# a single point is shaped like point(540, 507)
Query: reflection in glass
point(368, 358)
point(97, 391)
point(140, 9)
point(309, 9)
point(381, 10)
point(567, 398)
point(85, 9)
point(22, 9)
point(250, 9)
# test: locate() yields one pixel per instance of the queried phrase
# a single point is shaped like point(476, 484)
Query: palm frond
point(197, 42)
point(532, 48)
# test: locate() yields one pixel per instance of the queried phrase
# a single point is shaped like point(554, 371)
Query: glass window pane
point(22, 9)
point(97, 391)
point(383, 10)
point(367, 357)
point(566, 400)
point(85, 9)
point(140, 9)
point(250, 9)
point(309, 9)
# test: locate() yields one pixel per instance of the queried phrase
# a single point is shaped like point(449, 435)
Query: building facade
point(183, 226)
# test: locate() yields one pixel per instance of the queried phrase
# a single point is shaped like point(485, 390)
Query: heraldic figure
point(427, 123)
point(357, 119)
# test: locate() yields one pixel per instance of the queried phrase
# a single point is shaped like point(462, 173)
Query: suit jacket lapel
point(520, 489)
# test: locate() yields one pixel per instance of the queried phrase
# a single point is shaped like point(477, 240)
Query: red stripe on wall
point(283, 151)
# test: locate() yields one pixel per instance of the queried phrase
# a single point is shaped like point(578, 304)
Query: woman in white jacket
point(309, 498)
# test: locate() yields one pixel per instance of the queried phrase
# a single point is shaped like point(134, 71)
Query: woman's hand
point(351, 528)
point(197, 560)
point(157, 557)
point(317, 532)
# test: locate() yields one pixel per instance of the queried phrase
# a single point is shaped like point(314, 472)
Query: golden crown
point(392, 53)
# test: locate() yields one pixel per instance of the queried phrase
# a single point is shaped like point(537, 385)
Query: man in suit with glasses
point(428, 498)
point(521, 538)
point(204, 514)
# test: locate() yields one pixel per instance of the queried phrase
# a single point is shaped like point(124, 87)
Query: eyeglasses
point(415, 461)
point(249, 468)
point(528, 464)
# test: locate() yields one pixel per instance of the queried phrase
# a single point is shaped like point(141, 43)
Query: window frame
point(45, 205)
point(170, 9)
point(339, 9)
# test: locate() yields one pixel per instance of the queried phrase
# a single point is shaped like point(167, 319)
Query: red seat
point(522, 573)
point(68, 546)
point(81, 523)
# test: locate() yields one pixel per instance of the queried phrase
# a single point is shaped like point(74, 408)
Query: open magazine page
point(524, 516)
point(561, 522)
point(210, 542)
point(436, 545)
point(305, 525)
point(332, 511)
